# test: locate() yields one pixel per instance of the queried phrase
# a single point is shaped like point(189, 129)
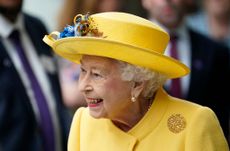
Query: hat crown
point(131, 30)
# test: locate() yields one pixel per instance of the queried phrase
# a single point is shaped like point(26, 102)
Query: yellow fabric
point(125, 37)
point(202, 131)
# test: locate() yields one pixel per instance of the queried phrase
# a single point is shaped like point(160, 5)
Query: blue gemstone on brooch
point(67, 32)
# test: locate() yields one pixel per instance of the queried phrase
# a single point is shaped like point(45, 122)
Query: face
point(10, 3)
point(106, 94)
point(109, 5)
point(10, 8)
point(169, 13)
point(217, 7)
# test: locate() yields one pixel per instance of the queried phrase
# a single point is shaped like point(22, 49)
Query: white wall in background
point(46, 10)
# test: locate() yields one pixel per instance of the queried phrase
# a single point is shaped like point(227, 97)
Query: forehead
point(99, 62)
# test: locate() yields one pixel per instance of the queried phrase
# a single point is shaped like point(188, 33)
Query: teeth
point(94, 101)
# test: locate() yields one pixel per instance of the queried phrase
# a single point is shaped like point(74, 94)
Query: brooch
point(83, 26)
point(176, 123)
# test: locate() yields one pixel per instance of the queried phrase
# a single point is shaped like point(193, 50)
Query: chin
point(97, 115)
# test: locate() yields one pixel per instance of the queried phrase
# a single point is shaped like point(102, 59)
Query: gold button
point(176, 123)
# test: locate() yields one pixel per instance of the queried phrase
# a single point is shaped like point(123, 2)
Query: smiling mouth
point(94, 102)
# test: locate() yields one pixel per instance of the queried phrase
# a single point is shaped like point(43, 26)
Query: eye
point(96, 75)
point(83, 70)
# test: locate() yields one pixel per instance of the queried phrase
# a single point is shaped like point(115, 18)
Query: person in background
point(191, 6)
point(121, 78)
point(213, 20)
point(69, 72)
point(208, 60)
point(73, 7)
point(32, 114)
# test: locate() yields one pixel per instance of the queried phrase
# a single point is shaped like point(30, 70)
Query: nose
point(84, 83)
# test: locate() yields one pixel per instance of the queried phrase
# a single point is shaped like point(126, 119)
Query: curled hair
point(140, 74)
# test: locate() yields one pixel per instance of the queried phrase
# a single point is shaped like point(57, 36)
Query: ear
point(137, 88)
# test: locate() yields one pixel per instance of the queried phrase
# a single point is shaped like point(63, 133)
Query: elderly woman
point(122, 72)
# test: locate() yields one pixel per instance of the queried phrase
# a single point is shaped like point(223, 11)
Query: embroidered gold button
point(176, 123)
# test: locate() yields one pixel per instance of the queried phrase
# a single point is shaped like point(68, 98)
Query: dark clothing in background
point(18, 125)
point(209, 79)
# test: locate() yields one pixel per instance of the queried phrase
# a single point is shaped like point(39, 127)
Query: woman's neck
point(126, 126)
point(129, 120)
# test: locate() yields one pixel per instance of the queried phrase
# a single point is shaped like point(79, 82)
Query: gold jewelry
point(150, 104)
point(176, 123)
point(150, 101)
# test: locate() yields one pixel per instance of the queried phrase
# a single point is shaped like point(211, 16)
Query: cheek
point(117, 91)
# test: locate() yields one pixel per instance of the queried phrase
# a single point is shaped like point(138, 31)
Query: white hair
point(136, 73)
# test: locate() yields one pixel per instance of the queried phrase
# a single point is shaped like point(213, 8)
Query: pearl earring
point(133, 99)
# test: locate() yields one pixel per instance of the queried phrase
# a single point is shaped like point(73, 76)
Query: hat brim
point(72, 48)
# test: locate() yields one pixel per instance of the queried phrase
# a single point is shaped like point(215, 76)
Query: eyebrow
point(93, 67)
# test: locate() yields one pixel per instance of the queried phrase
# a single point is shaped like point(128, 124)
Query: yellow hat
point(120, 36)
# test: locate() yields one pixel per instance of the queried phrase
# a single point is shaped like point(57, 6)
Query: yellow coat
point(170, 125)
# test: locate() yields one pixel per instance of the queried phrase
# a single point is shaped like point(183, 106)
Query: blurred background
point(48, 11)
point(45, 10)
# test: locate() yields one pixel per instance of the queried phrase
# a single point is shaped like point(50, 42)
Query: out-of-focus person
point(72, 7)
point(208, 60)
point(191, 6)
point(121, 78)
point(32, 114)
point(213, 20)
point(69, 74)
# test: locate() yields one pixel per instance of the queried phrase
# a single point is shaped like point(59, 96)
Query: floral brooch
point(83, 26)
point(176, 123)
